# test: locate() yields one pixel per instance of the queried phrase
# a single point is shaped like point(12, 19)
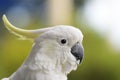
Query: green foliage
point(13, 53)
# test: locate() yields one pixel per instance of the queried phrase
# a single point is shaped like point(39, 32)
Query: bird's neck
point(44, 66)
point(42, 63)
point(47, 64)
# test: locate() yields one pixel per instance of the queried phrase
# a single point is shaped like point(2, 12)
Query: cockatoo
point(55, 53)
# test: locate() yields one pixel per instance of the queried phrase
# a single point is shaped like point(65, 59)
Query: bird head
point(61, 43)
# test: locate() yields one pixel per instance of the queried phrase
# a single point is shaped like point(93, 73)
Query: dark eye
point(63, 41)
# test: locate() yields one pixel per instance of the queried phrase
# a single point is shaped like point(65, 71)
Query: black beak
point(78, 51)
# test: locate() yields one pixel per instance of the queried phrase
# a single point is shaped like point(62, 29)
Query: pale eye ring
point(63, 41)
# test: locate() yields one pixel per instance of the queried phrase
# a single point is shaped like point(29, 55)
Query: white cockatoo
point(56, 52)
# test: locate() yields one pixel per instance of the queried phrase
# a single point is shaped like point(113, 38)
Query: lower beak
point(78, 51)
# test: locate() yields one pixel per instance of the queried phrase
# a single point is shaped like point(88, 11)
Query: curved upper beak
point(78, 51)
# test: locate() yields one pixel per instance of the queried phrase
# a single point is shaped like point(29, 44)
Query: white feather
point(50, 60)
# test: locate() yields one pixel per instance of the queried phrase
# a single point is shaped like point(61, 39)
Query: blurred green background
point(101, 60)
